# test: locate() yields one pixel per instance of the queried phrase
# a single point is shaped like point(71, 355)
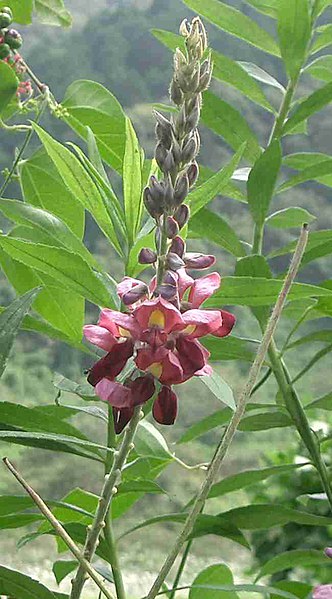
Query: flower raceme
point(163, 340)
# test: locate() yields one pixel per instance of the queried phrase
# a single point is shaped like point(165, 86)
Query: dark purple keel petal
point(142, 389)
point(191, 355)
point(165, 408)
point(111, 365)
point(121, 418)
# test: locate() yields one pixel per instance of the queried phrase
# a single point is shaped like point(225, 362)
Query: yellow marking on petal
point(190, 328)
point(157, 319)
point(124, 332)
point(156, 369)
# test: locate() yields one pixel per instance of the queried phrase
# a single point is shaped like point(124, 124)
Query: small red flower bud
point(192, 173)
point(172, 227)
point(135, 294)
point(182, 215)
point(147, 256)
point(199, 261)
point(177, 246)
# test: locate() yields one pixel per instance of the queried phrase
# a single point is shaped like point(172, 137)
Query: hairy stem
point(84, 564)
point(180, 569)
point(226, 440)
point(108, 490)
point(108, 531)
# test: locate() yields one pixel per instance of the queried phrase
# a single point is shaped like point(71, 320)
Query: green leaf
point(262, 180)
point(323, 39)
point(245, 588)
point(228, 122)
point(218, 418)
point(293, 559)
point(248, 477)
point(22, 11)
point(248, 291)
point(66, 268)
point(62, 568)
point(260, 75)
point(57, 231)
point(310, 105)
point(324, 336)
point(8, 85)
point(64, 310)
point(78, 181)
point(53, 442)
point(321, 68)
point(300, 590)
point(264, 421)
point(149, 442)
point(318, 356)
point(322, 403)
point(43, 187)
point(205, 524)
point(18, 521)
point(220, 389)
point(18, 585)
point(234, 22)
point(211, 226)
point(89, 104)
point(132, 183)
point(321, 171)
point(266, 7)
point(53, 12)
point(206, 192)
point(320, 6)
point(10, 322)
point(289, 218)
point(262, 516)
point(215, 575)
point(319, 245)
point(229, 348)
point(294, 29)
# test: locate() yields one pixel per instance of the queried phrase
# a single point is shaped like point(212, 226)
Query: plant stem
point(84, 564)
point(284, 110)
point(227, 438)
point(108, 531)
point(296, 411)
point(257, 245)
point(21, 151)
point(108, 490)
point(181, 568)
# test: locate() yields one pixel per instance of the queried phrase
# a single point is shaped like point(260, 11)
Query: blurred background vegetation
point(111, 43)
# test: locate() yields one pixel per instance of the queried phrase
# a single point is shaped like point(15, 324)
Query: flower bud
point(174, 262)
point(175, 92)
point(168, 289)
point(6, 18)
point(147, 256)
point(177, 246)
point(182, 215)
point(328, 551)
point(4, 51)
point(184, 28)
point(135, 294)
point(152, 206)
point(13, 39)
point(192, 173)
point(192, 119)
point(172, 227)
point(164, 129)
point(199, 261)
point(168, 193)
point(180, 60)
point(176, 151)
point(181, 188)
point(160, 155)
point(165, 407)
point(190, 150)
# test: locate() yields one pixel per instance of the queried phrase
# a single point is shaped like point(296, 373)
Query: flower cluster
point(10, 42)
point(161, 338)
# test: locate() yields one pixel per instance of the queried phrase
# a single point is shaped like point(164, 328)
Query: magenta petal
point(204, 321)
point(127, 323)
point(111, 365)
point(165, 407)
point(228, 321)
point(106, 321)
point(184, 282)
point(172, 372)
point(114, 393)
point(99, 336)
point(206, 371)
point(126, 284)
point(203, 288)
point(142, 389)
point(323, 591)
point(191, 355)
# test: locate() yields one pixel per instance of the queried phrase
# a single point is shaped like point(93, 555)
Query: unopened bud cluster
point(10, 42)
point(178, 144)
